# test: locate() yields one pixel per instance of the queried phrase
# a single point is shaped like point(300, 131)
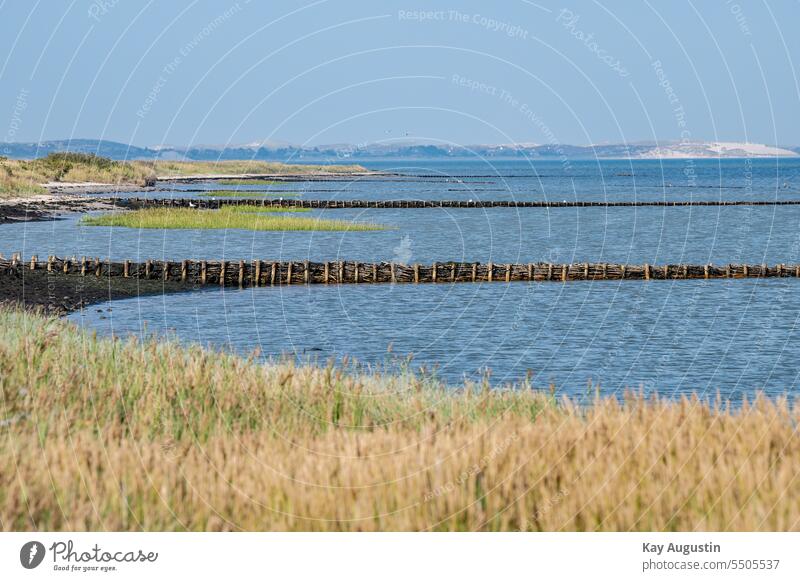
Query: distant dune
point(716, 149)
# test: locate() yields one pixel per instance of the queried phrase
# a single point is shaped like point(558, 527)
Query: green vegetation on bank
point(119, 435)
point(247, 194)
point(24, 177)
point(19, 178)
point(234, 182)
point(228, 217)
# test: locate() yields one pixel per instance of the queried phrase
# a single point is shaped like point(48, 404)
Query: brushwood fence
point(243, 273)
point(137, 203)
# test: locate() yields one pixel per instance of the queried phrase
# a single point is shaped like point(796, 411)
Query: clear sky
point(329, 71)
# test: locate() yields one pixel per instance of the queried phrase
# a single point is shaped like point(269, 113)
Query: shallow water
point(673, 337)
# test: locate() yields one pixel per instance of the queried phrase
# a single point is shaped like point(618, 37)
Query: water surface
point(670, 336)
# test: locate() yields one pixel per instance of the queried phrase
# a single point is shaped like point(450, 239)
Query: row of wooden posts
point(265, 273)
point(135, 203)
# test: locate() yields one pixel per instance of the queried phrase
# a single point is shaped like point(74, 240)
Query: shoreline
point(51, 206)
point(61, 294)
point(70, 197)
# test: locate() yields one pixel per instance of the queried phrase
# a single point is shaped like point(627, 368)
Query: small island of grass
point(229, 217)
point(247, 194)
point(253, 182)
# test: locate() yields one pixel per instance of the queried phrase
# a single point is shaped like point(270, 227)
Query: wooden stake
point(241, 273)
point(184, 270)
point(305, 272)
point(416, 273)
point(257, 273)
point(392, 272)
point(327, 272)
point(126, 268)
point(490, 272)
point(33, 262)
point(203, 272)
point(289, 273)
point(272, 274)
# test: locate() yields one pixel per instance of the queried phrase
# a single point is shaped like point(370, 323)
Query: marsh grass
point(234, 182)
point(228, 217)
point(247, 194)
point(23, 177)
point(119, 435)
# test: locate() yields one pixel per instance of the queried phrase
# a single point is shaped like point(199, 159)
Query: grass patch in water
point(230, 217)
point(247, 194)
point(235, 182)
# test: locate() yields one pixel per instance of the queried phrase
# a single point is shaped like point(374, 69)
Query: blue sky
point(464, 72)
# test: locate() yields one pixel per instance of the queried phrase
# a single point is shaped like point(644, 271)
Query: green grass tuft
point(230, 217)
point(247, 194)
point(235, 182)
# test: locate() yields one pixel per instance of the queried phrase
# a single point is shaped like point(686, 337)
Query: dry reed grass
point(102, 434)
point(24, 177)
point(19, 178)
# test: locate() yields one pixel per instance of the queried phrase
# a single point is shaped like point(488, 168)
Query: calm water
point(673, 337)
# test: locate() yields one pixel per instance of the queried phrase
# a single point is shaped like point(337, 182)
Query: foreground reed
point(104, 434)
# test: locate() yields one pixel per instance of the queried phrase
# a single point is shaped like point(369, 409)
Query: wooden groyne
point(135, 203)
point(243, 273)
